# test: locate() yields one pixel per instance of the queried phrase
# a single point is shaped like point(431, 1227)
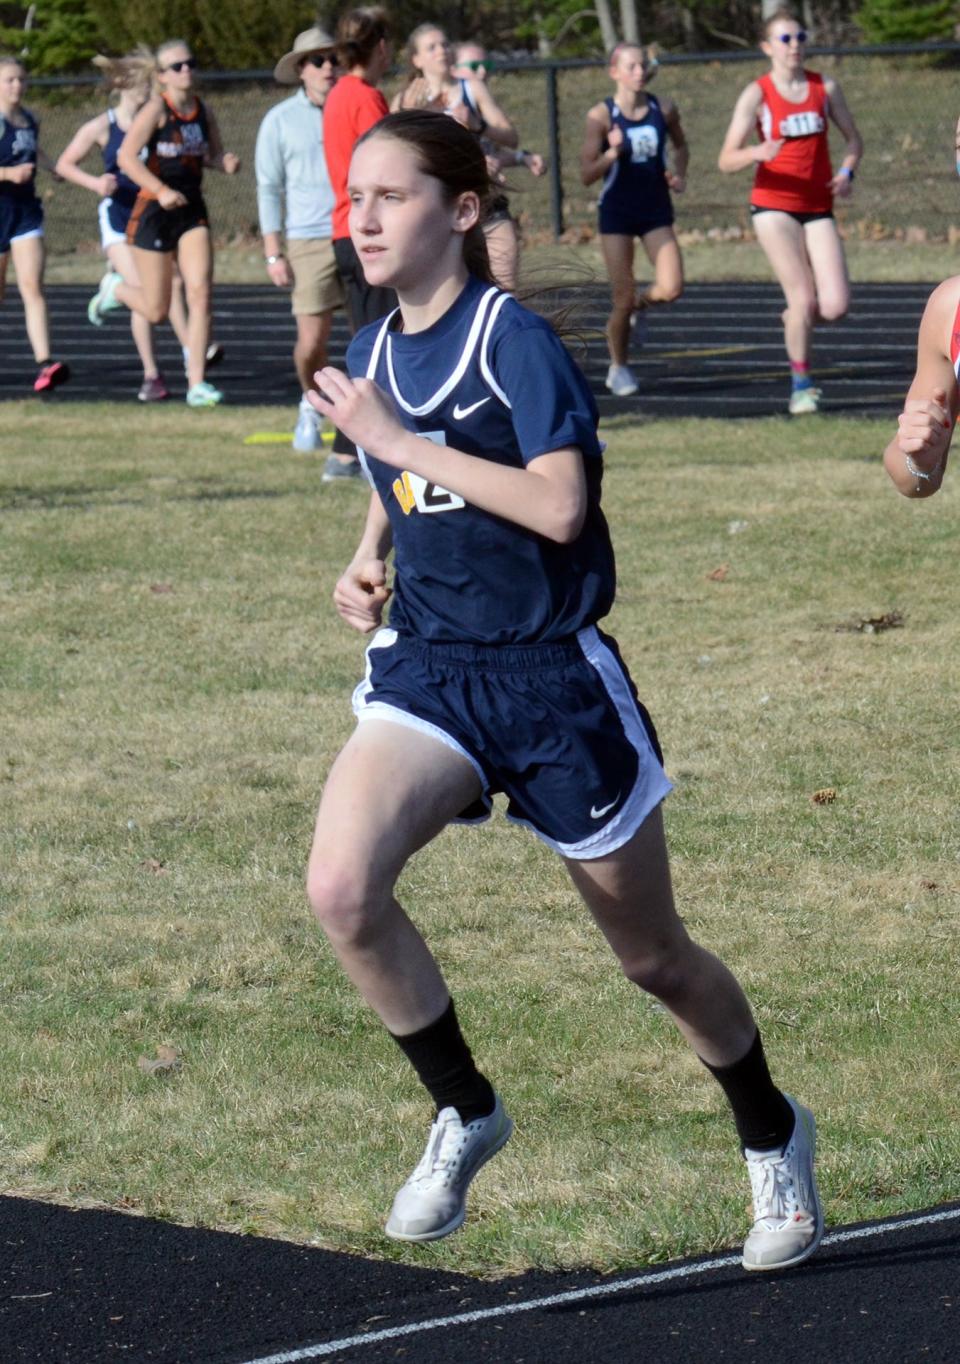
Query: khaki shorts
point(316, 284)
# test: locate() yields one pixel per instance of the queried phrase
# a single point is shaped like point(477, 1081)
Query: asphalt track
point(93, 1287)
point(717, 352)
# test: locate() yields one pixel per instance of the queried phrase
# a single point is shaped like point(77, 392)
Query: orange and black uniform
point(175, 154)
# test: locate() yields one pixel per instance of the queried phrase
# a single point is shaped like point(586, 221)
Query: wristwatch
point(272, 260)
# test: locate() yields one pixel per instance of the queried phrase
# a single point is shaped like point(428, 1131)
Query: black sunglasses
point(320, 59)
point(484, 64)
point(800, 37)
point(187, 64)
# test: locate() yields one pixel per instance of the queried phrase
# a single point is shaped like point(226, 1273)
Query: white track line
point(331, 1347)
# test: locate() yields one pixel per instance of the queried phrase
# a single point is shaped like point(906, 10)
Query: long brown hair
point(446, 152)
point(358, 33)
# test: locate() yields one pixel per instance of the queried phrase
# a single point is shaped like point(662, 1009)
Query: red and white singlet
point(797, 180)
point(955, 342)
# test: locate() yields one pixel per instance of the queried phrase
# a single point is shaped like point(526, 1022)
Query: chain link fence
point(905, 101)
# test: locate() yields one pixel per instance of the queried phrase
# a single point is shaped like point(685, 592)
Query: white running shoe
point(786, 1204)
point(306, 433)
point(433, 1202)
point(620, 381)
point(803, 401)
point(204, 395)
point(105, 299)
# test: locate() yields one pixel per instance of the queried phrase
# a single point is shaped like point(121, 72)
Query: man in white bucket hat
point(295, 202)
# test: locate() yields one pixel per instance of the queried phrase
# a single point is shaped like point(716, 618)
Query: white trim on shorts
point(109, 236)
point(652, 785)
point(25, 236)
point(382, 710)
point(650, 789)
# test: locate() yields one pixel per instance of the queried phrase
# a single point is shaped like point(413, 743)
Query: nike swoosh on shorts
point(460, 412)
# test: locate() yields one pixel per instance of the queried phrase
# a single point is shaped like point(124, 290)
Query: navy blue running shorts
point(556, 727)
point(615, 223)
point(19, 218)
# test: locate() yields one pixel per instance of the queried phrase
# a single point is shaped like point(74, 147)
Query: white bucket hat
point(287, 69)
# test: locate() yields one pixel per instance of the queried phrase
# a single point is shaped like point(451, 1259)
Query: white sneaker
point(306, 434)
point(105, 299)
point(804, 401)
point(620, 381)
point(433, 1202)
point(786, 1204)
point(204, 395)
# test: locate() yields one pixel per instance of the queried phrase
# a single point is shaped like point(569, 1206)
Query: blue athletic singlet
point(635, 196)
point(492, 379)
point(18, 146)
point(127, 190)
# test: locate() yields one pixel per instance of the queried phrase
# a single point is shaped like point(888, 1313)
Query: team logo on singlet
point(24, 142)
point(643, 144)
point(805, 124)
point(416, 494)
point(187, 141)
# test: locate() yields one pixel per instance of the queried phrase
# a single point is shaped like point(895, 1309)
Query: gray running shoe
point(433, 1202)
point(153, 390)
point(786, 1204)
point(336, 470)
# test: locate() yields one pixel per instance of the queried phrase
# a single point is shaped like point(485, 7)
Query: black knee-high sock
point(442, 1060)
point(762, 1114)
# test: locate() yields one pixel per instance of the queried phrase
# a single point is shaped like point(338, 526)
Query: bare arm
point(735, 155)
point(677, 178)
point(91, 134)
point(499, 127)
point(128, 157)
point(842, 182)
point(595, 159)
point(361, 592)
point(932, 403)
point(549, 496)
point(217, 158)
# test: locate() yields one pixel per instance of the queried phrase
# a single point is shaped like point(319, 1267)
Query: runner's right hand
point(768, 150)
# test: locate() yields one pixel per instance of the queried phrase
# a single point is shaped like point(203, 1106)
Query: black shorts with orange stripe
point(154, 228)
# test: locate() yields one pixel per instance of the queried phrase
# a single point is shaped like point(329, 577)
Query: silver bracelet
point(922, 473)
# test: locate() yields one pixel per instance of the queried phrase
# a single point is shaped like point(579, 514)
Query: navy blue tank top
point(637, 179)
point(18, 146)
point(491, 379)
point(127, 190)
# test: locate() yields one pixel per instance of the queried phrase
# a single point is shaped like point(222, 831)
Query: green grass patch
point(175, 685)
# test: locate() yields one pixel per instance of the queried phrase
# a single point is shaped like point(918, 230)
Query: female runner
point(130, 78)
point(432, 84)
point(169, 223)
point(21, 218)
point(916, 458)
point(479, 436)
point(794, 189)
point(625, 144)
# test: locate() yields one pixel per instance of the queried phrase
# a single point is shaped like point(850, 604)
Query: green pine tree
point(63, 36)
point(903, 21)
